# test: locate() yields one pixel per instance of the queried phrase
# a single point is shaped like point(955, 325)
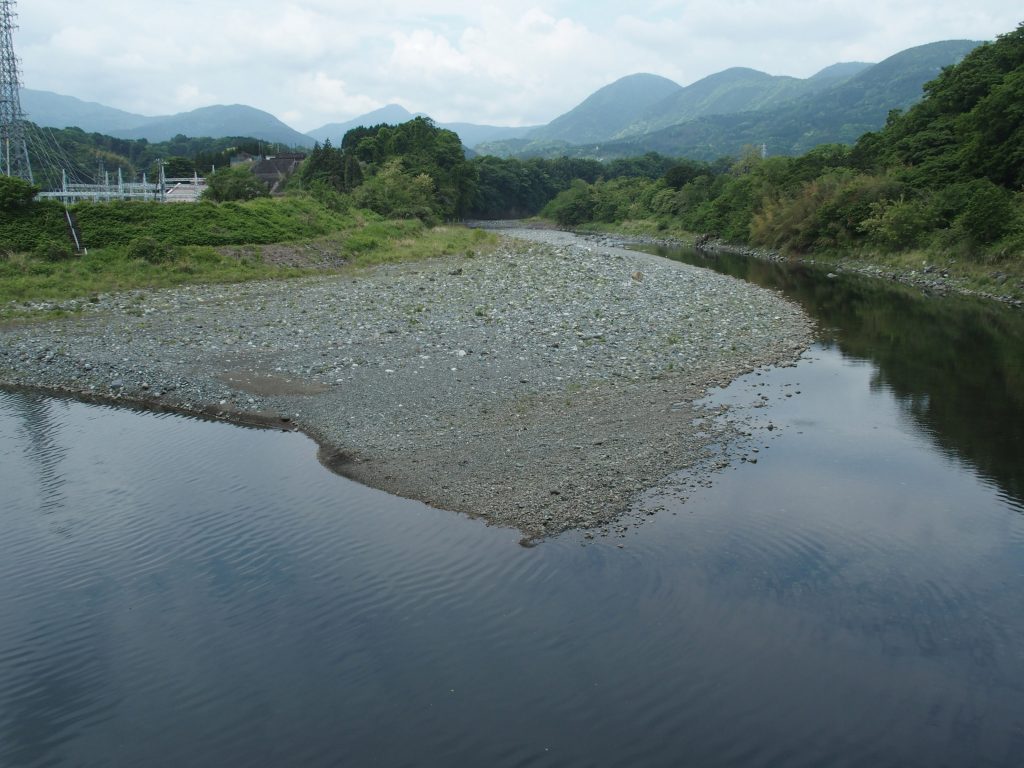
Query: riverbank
point(542, 386)
point(993, 284)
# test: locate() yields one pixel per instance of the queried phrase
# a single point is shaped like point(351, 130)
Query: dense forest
point(944, 176)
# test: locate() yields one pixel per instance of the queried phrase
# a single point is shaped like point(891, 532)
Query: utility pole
point(15, 160)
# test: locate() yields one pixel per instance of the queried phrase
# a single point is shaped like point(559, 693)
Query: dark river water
point(175, 592)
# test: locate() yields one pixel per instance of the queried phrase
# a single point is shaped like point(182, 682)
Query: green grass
point(998, 277)
point(642, 227)
point(1003, 277)
point(360, 239)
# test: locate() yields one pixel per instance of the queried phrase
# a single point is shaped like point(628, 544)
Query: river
point(180, 592)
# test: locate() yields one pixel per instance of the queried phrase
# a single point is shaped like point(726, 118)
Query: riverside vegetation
point(939, 187)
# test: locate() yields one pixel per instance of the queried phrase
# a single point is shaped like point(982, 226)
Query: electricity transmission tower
point(13, 146)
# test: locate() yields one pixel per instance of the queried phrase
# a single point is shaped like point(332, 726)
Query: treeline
point(946, 175)
point(510, 188)
point(87, 156)
point(417, 169)
point(412, 170)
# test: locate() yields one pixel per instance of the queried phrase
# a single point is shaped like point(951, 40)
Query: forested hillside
point(944, 177)
point(85, 156)
point(720, 114)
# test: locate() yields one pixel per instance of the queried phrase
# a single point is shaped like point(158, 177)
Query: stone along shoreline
point(543, 386)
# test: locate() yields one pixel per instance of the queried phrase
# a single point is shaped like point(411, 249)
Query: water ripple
point(211, 596)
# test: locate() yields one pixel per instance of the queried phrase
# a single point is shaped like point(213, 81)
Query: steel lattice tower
point(13, 146)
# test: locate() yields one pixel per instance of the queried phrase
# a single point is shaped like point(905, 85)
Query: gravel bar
point(544, 386)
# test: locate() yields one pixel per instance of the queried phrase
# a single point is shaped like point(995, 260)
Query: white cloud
point(189, 96)
point(319, 61)
point(321, 94)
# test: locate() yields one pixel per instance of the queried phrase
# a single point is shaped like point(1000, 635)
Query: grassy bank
point(1002, 278)
point(996, 278)
point(642, 228)
point(295, 237)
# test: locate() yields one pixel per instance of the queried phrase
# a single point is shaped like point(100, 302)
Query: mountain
point(710, 118)
point(607, 111)
point(734, 90)
point(216, 121)
point(392, 114)
point(470, 134)
point(844, 70)
point(54, 110)
point(841, 111)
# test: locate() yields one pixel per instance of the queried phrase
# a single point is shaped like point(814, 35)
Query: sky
point(312, 62)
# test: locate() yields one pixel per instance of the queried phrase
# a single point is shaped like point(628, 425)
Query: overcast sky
point(316, 61)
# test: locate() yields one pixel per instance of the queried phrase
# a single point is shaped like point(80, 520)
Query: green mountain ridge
point(608, 111)
point(390, 114)
point(738, 89)
point(839, 112)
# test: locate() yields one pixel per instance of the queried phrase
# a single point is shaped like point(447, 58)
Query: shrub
point(573, 206)
point(15, 193)
point(53, 250)
point(899, 223)
point(151, 250)
point(987, 214)
point(234, 184)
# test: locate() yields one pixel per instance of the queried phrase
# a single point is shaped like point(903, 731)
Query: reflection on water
point(956, 364)
point(177, 592)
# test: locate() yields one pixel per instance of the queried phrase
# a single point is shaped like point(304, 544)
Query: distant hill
point(640, 113)
point(54, 110)
point(735, 90)
point(609, 110)
point(392, 114)
point(471, 134)
point(215, 121)
point(838, 104)
point(839, 114)
point(842, 71)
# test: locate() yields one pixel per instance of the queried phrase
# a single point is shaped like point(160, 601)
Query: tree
point(234, 184)
point(15, 193)
point(178, 167)
point(395, 193)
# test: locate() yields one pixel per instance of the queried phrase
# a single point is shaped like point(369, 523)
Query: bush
point(151, 250)
point(15, 193)
point(397, 194)
point(572, 206)
point(266, 220)
point(53, 250)
point(987, 213)
point(828, 212)
point(234, 184)
point(899, 224)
